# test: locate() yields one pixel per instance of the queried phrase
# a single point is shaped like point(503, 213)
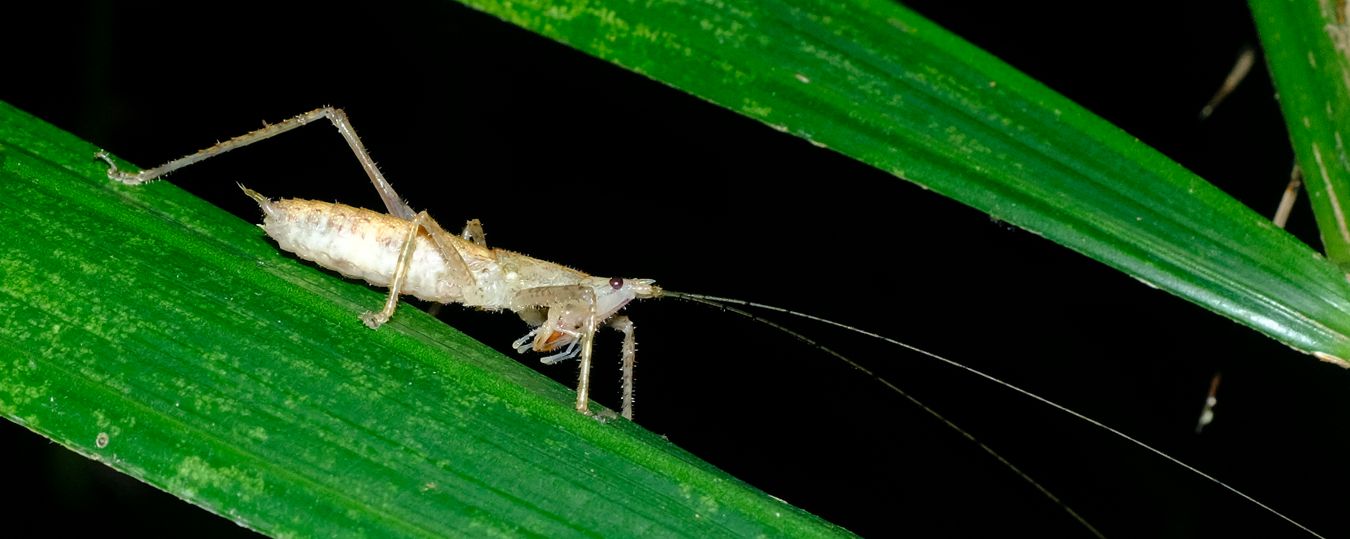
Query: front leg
point(625, 326)
point(562, 301)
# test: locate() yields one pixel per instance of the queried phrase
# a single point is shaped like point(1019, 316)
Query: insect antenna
point(726, 305)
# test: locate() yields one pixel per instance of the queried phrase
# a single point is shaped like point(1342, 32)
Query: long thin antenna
point(721, 303)
point(713, 302)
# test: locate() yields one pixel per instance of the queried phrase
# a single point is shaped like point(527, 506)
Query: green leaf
point(926, 136)
point(873, 80)
point(1307, 46)
point(146, 329)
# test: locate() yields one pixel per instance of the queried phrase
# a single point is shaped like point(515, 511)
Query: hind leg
point(339, 120)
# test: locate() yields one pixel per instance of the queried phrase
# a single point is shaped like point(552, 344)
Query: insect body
point(410, 253)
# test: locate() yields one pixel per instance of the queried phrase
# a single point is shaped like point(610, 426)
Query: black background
point(570, 159)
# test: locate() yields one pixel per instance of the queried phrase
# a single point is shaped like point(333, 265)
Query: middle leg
point(449, 252)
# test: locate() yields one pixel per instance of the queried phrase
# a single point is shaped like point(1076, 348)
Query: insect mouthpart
point(643, 288)
point(553, 341)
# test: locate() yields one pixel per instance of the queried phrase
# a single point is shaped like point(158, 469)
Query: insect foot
point(113, 172)
point(373, 320)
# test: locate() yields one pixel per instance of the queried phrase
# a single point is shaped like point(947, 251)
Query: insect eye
point(616, 282)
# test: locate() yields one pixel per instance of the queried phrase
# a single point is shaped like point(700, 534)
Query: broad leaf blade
point(877, 82)
point(146, 329)
point(1307, 46)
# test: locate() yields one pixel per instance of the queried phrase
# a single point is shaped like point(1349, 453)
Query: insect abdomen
point(357, 243)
